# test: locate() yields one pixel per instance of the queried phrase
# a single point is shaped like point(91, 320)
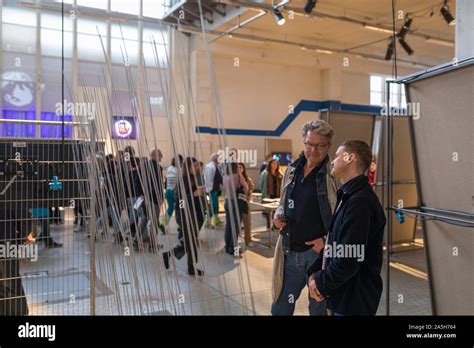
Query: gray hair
point(320, 127)
point(155, 152)
point(214, 157)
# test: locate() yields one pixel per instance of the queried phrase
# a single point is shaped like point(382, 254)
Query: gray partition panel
point(404, 186)
point(361, 126)
point(350, 126)
point(444, 142)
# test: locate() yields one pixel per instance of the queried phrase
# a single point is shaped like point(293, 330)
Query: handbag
point(242, 202)
point(179, 250)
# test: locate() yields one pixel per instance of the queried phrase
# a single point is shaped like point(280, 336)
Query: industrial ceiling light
point(406, 27)
point(383, 30)
point(446, 14)
point(310, 4)
point(278, 16)
point(324, 51)
point(406, 47)
point(390, 47)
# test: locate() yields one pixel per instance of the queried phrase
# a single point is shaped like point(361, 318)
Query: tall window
point(22, 57)
point(378, 91)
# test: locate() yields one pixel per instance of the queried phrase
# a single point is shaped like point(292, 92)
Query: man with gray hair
point(308, 198)
point(213, 181)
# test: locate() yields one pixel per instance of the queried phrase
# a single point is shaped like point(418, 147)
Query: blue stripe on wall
point(303, 105)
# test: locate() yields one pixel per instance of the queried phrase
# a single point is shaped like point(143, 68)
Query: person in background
point(246, 217)
point(213, 180)
point(137, 215)
point(171, 182)
point(156, 186)
point(264, 164)
point(233, 181)
point(55, 215)
point(110, 186)
point(270, 184)
point(200, 175)
point(351, 282)
point(79, 215)
point(132, 183)
point(123, 192)
point(13, 231)
point(372, 170)
point(43, 217)
point(190, 213)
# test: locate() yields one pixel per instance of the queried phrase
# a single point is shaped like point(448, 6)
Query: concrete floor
point(59, 282)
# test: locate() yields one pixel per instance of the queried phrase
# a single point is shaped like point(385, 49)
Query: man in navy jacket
point(347, 274)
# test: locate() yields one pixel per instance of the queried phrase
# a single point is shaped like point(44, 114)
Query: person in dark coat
point(156, 185)
point(12, 295)
point(347, 274)
point(190, 214)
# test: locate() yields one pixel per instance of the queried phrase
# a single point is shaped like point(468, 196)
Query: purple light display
point(29, 130)
point(18, 130)
point(47, 131)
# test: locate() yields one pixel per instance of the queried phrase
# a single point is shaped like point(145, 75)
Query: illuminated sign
point(18, 88)
point(123, 127)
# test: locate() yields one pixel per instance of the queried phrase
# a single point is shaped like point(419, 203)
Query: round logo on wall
point(18, 88)
point(123, 128)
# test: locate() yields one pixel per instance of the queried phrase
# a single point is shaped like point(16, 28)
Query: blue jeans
point(214, 198)
point(294, 280)
point(232, 225)
point(169, 195)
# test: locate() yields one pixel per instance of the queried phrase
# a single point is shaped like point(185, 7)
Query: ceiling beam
point(318, 15)
point(263, 40)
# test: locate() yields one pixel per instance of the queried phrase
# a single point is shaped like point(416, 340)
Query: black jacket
point(190, 210)
point(353, 285)
point(156, 184)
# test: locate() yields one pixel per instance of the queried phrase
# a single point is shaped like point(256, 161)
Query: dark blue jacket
point(352, 285)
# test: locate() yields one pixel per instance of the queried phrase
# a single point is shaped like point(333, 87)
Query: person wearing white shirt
point(171, 182)
point(213, 182)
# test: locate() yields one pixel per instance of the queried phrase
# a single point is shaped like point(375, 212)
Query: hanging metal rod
point(433, 216)
point(240, 25)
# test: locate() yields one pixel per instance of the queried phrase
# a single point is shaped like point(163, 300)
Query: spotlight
point(447, 15)
point(278, 16)
point(389, 53)
point(406, 47)
point(308, 8)
point(406, 27)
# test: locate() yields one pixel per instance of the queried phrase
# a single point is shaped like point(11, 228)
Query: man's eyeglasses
point(315, 146)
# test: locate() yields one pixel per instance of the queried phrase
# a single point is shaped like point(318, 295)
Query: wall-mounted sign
point(124, 127)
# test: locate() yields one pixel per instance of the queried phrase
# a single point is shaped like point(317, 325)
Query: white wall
point(257, 93)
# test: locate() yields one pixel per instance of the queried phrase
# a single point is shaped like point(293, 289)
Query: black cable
point(62, 84)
